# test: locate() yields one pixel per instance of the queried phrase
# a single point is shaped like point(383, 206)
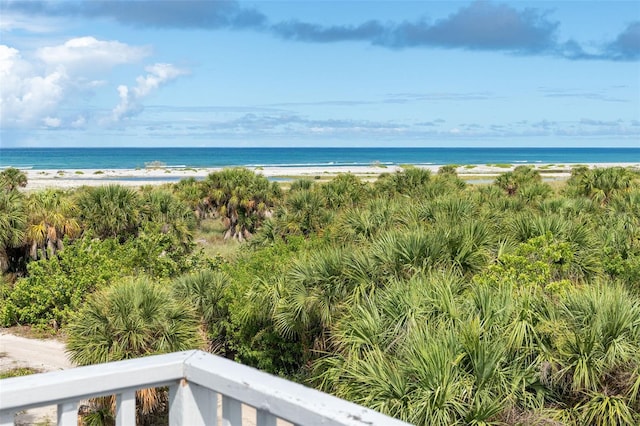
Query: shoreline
point(73, 178)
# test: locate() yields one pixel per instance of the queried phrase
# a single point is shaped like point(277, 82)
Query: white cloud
point(79, 122)
point(130, 98)
point(35, 85)
point(89, 53)
point(10, 22)
point(52, 122)
point(25, 96)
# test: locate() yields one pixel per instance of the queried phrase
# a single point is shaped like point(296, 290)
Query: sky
point(145, 73)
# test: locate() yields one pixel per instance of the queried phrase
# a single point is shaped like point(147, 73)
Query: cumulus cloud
point(34, 87)
point(130, 98)
point(27, 97)
point(52, 122)
point(90, 53)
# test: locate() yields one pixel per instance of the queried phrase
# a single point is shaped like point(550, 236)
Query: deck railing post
point(231, 412)
point(68, 414)
point(264, 418)
point(6, 418)
point(126, 408)
point(192, 404)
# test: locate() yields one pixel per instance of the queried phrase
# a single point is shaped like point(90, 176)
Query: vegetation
point(417, 295)
point(241, 197)
point(17, 372)
point(12, 178)
point(131, 319)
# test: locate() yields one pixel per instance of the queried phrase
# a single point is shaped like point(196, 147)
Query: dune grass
point(210, 237)
point(18, 372)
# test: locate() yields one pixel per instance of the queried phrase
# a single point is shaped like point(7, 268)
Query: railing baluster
point(126, 408)
point(6, 418)
point(68, 414)
point(264, 418)
point(195, 380)
point(231, 412)
point(193, 405)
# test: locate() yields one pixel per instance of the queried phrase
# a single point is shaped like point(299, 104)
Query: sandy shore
point(71, 178)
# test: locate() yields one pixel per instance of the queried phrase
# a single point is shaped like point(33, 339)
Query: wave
point(16, 166)
point(324, 164)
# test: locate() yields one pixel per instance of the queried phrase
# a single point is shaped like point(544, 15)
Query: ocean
point(131, 158)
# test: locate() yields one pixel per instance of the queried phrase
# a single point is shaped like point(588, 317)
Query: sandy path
point(41, 354)
point(45, 355)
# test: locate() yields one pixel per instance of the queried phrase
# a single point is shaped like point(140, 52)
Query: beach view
point(306, 212)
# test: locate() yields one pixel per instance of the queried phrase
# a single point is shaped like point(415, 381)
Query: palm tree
point(242, 198)
point(12, 224)
point(304, 212)
point(364, 223)
point(169, 214)
point(12, 178)
point(190, 192)
point(205, 291)
point(312, 299)
point(301, 184)
point(409, 181)
point(345, 189)
point(602, 183)
point(132, 319)
point(448, 170)
point(110, 211)
point(51, 218)
point(594, 355)
point(507, 182)
point(521, 176)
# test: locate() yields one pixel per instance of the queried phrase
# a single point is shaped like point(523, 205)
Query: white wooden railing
point(195, 379)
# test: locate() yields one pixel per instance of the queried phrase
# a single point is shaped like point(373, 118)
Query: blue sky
point(319, 73)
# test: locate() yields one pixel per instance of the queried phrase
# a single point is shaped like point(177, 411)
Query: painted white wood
point(231, 412)
point(194, 378)
point(264, 418)
point(35, 390)
point(68, 414)
point(126, 408)
point(193, 405)
point(6, 418)
point(289, 401)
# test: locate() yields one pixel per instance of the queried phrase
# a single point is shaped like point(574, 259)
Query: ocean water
point(131, 158)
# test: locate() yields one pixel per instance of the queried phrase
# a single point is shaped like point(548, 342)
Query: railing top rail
point(99, 379)
point(282, 398)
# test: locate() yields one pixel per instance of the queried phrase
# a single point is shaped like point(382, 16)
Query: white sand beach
point(72, 178)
